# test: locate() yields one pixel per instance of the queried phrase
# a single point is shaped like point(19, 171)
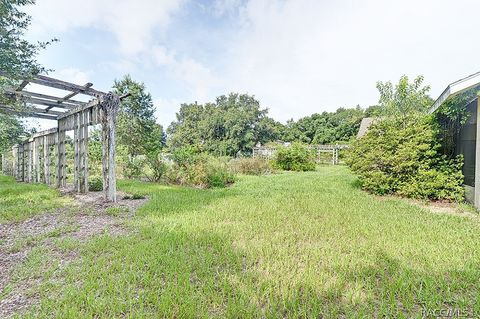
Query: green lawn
point(19, 201)
point(288, 245)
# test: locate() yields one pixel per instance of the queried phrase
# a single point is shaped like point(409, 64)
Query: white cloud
point(296, 56)
point(198, 78)
point(222, 7)
point(166, 110)
point(305, 56)
point(132, 22)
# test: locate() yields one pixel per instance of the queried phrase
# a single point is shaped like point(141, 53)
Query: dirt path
point(88, 216)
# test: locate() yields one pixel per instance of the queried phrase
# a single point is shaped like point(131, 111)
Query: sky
point(297, 57)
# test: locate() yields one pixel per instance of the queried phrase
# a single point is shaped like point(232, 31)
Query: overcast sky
point(297, 57)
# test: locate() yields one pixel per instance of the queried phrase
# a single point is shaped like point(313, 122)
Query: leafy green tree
point(404, 98)
point(11, 131)
point(325, 128)
point(137, 129)
point(234, 123)
point(18, 57)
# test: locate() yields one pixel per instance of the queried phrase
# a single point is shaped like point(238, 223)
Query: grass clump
point(95, 184)
point(19, 201)
point(202, 170)
point(251, 166)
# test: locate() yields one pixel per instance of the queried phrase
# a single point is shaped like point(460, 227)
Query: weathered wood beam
point(61, 156)
point(22, 85)
point(36, 160)
point(67, 86)
point(84, 152)
point(50, 98)
point(46, 160)
point(70, 95)
point(32, 109)
point(110, 105)
point(33, 100)
point(27, 114)
point(45, 132)
point(80, 108)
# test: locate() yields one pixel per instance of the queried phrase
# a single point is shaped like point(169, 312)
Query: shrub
point(134, 166)
point(401, 156)
point(201, 171)
point(251, 166)
point(296, 157)
point(95, 184)
point(185, 156)
point(157, 165)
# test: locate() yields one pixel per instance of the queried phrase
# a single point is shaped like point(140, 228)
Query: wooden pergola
point(32, 158)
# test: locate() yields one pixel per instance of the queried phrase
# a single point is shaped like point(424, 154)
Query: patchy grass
point(19, 201)
point(288, 245)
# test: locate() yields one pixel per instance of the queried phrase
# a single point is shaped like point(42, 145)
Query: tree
point(325, 128)
point(17, 60)
point(18, 57)
point(11, 131)
point(404, 98)
point(234, 123)
point(137, 129)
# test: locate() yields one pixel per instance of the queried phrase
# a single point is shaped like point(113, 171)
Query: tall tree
point(18, 59)
point(327, 127)
point(137, 128)
point(234, 123)
point(404, 98)
point(11, 131)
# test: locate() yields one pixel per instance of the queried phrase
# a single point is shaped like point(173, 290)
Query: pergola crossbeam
point(47, 97)
point(50, 104)
point(22, 85)
point(11, 111)
point(66, 86)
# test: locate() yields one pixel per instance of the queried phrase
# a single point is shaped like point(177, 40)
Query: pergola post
point(29, 161)
point(110, 105)
point(46, 159)
point(84, 151)
point(61, 155)
point(36, 160)
point(76, 161)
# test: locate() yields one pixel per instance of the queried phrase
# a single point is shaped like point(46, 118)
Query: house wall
point(466, 144)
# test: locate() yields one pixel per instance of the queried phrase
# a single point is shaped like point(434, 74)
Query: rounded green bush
point(95, 184)
point(296, 157)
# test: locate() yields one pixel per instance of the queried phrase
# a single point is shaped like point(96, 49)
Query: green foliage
point(19, 201)
point(134, 166)
point(17, 55)
point(234, 123)
point(137, 129)
point(296, 157)
point(95, 184)
point(157, 165)
point(308, 245)
point(325, 128)
point(251, 166)
point(404, 98)
point(201, 170)
point(401, 156)
point(184, 156)
point(11, 131)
